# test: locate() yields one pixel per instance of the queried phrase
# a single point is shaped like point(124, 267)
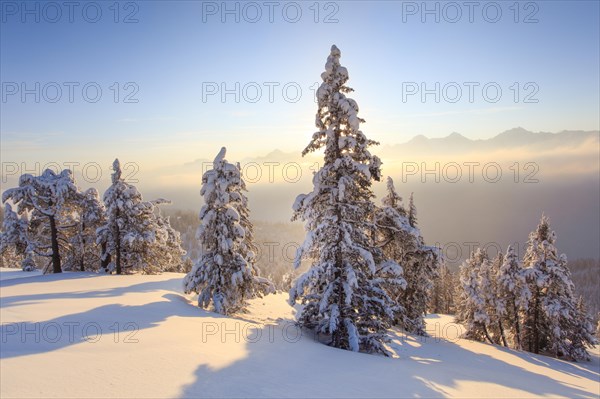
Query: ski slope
point(82, 335)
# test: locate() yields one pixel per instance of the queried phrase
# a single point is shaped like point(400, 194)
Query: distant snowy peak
point(454, 136)
point(517, 137)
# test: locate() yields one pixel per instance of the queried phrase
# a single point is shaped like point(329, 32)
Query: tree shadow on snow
point(8, 301)
point(280, 364)
point(92, 326)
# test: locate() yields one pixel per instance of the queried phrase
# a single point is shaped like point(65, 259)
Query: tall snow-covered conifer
point(342, 291)
point(224, 276)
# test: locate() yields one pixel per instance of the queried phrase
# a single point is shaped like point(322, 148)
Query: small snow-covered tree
point(224, 276)
point(412, 211)
point(581, 335)
point(494, 307)
point(49, 198)
point(166, 250)
point(514, 293)
point(13, 238)
point(134, 235)
point(402, 242)
point(471, 307)
point(343, 290)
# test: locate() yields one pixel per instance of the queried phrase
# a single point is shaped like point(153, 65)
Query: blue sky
point(176, 48)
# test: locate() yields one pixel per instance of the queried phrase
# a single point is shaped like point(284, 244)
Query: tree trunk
point(104, 257)
point(56, 268)
point(118, 253)
point(517, 326)
point(487, 335)
point(536, 330)
point(118, 245)
point(340, 335)
point(81, 248)
point(502, 333)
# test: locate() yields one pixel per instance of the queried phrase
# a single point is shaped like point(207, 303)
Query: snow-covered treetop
point(541, 245)
point(391, 198)
point(339, 124)
point(220, 158)
point(116, 176)
point(412, 211)
point(219, 185)
point(120, 194)
point(45, 193)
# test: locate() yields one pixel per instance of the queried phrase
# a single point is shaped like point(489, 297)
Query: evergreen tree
point(552, 323)
point(581, 334)
point(412, 211)
point(494, 307)
point(167, 251)
point(49, 198)
point(224, 276)
point(343, 289)
point(88, 217)
point(134, 235)
point(471, 307)
point(13, 238)
point(403, 243)
point(514, 293)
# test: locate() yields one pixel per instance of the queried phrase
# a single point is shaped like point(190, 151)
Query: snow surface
point(179, 350)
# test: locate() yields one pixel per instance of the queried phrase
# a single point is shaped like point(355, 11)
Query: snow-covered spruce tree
point(403, 243)
point(134, 235)
point(552, 322)
point(49, 198)
point(412, 211)
point(122, 202)
point(89, 215)
point(494, 307)
point(167, 251)
point(514, 293)
point(471, 305)
point(13, 238)
point(582, 333)
point(224, 276)
point(343, 289)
